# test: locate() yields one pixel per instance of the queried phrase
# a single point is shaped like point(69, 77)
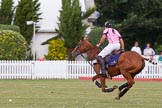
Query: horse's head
point(82, 47)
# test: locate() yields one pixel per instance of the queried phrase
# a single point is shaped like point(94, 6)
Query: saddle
point(112, 59)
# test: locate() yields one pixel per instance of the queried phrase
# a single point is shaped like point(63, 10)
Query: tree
point(70, 26)
point(136, 19)
point(6, 12)
point(27, 10)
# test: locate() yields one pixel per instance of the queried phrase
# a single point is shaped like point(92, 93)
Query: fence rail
point(61, 70)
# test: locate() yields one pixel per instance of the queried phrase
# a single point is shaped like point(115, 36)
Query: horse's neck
point(92, 53)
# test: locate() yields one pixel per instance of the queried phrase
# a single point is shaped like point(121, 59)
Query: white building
point(50, 13)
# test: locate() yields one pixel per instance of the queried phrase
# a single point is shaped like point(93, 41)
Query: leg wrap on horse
point(123, 92)
point(102, 64)
point(97, 84)
point(109, 90)
point(123, 86)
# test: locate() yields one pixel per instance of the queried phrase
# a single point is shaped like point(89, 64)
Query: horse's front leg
point(98, 84)
point(94, 79)
point(102, 80)
point(104, 87)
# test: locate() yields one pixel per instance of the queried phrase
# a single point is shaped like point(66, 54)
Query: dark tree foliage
point(6, 12)
point(70, 27)
point(139, 20)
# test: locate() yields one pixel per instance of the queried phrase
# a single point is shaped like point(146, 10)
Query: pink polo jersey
point(112, 35)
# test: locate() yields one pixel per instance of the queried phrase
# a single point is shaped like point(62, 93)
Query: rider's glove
point(122, 50)
point(98, 45)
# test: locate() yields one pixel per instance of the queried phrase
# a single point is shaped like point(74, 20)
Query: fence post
point(33, 73)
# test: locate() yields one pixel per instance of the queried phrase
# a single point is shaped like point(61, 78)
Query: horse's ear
point(82, 38)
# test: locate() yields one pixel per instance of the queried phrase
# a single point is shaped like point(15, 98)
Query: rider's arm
point(121, 43)
point(153, 52)
point(101, 40)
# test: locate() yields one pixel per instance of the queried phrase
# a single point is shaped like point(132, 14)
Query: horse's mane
point(94, 50)
point(89, 41)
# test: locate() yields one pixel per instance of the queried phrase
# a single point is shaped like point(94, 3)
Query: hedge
point(12, 45)
point(9, 27)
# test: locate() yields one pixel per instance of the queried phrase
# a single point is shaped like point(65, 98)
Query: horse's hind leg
point(126, 86)
point(122, 90)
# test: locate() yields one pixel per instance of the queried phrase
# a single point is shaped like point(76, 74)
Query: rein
point(87, 61)
point(85, 50)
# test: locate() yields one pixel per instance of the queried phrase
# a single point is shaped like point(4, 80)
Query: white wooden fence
point(61, 70)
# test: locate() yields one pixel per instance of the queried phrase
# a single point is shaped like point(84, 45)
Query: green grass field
point(76, 94)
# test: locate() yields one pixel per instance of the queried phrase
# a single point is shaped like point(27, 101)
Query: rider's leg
point(101, 61)
point(103, 68)
point(107, 74)
point(108, 49)
point(102, 64)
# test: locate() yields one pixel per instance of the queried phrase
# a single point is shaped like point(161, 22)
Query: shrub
point(9, 27)
point(12, 45)
point(56, 50)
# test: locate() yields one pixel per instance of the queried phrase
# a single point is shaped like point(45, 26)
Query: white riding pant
point(108, 49)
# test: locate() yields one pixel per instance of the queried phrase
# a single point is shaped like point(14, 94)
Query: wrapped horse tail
point(149, 60)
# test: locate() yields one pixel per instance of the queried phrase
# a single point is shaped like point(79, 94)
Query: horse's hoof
point(117, 98)
point(119, 91)
point(115, 87)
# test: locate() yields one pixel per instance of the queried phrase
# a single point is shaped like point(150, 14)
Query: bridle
point(85, 50)
point(78, 52)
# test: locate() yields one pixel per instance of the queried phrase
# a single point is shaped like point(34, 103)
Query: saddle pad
point(113, 60)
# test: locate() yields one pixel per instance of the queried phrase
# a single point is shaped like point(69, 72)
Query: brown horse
point(129, 65)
